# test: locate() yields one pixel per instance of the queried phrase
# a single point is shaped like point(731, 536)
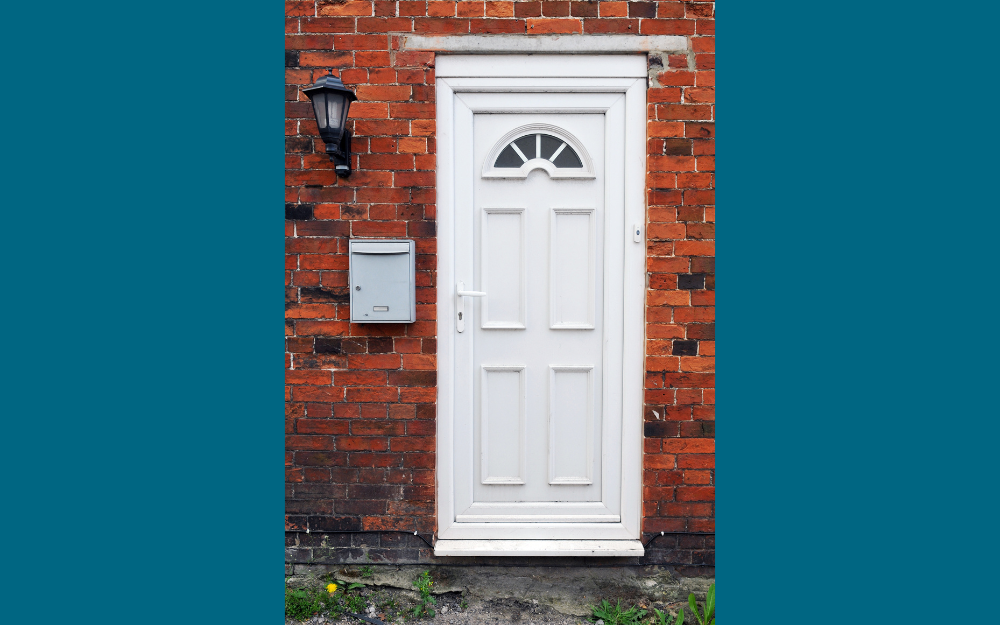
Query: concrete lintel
point(547, 44)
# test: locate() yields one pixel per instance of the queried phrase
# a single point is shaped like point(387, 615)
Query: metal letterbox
point(383, 281)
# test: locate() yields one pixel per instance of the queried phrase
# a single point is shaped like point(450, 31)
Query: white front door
point(543, 455)
point(546, 251)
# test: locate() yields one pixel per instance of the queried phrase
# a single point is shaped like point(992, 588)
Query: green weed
point(662, 618)
point(615, 614)
point(707, 616)
point(355, 603)
point(423, 584)
point(367, 571)
point(302, 603)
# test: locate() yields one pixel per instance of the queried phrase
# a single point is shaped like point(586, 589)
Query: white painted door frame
point(543, 74)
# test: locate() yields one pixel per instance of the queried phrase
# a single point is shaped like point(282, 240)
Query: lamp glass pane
point(319, 107)
point(334, 103)
point(344, 111)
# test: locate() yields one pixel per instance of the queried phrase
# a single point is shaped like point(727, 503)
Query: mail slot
point(383, 281)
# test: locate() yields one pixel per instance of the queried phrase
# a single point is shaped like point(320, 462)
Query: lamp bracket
point(341, 155)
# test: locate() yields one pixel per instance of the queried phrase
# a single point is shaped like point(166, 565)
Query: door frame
point(612, 74)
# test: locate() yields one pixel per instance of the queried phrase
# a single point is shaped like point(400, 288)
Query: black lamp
point(331, 102)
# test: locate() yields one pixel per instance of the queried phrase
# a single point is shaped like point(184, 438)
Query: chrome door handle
point(462, 293)
point(469, 293)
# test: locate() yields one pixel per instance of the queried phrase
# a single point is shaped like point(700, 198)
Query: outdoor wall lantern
point(331, 102)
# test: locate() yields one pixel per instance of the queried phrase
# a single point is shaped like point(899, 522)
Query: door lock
point(462, 294)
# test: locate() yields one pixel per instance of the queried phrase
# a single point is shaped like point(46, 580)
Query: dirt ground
point(490, 595)
point(449, 611)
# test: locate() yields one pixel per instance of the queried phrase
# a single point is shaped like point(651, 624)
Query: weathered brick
point(610, 26)
point(441, 26)
point(529, 8)
point(347, 7)
point(361, 422)
point(546, 26)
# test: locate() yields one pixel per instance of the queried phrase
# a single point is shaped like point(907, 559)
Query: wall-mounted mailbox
point(383, 281)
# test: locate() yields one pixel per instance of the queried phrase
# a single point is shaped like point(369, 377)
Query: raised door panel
point(502, 262)
point(571, 424)
point(502, 425)
point(572, 263)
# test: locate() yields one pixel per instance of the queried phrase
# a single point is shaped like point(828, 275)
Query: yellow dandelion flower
point(331, 588)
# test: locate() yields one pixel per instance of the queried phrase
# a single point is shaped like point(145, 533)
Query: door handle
point(462, 293)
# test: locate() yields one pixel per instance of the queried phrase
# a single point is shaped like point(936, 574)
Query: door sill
point(446, 547)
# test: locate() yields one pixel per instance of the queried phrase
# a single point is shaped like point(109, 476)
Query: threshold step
point(498, 547)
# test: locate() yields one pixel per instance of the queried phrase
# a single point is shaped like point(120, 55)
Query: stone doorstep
point(568, 590)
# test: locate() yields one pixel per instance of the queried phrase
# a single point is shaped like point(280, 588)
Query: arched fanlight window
point(538, 146)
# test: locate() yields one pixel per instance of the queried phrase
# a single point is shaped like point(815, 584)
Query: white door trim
point(566, 74)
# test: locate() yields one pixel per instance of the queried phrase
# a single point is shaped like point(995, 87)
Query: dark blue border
point(142, 244)
point(857, 314)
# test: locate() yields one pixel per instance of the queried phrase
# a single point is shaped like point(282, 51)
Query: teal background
point(857, 312)
point(142, 441)
point(142, 444)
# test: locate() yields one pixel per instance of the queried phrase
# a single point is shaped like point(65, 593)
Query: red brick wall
point(360, 413)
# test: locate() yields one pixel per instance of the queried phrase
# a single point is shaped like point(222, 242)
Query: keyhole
point(357, 288)
point(459, 316)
